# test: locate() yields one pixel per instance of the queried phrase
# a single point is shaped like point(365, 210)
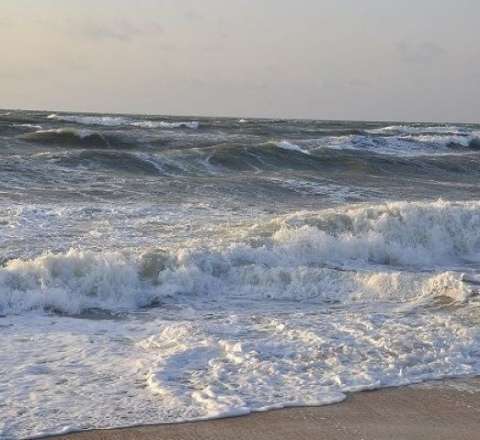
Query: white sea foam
point(412, 129)
point(205, 364)
point(445, 140)
point(334, 255)
point(79, 281)
point(168, 125)
point(82, 133)
point(404, 145)
point(413, 234)
point(109, 121)
point(297, 309)
point(118, 121)
point(242, 368)
point(37, 127)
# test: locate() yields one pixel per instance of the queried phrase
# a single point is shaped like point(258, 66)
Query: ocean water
point(159, 269)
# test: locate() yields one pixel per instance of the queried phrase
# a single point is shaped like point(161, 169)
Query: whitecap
point(285, 145)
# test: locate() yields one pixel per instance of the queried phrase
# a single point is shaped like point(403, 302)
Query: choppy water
point(159, 269)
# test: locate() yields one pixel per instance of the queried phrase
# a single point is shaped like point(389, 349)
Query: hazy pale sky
point(326, 59)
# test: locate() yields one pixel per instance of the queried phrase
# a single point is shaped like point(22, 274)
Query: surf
point(396, 252)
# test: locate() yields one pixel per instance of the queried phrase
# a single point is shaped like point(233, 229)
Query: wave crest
point(119, 121)
point(285, 145)
point(67, 137)
point(401, 233)
point(378, 253)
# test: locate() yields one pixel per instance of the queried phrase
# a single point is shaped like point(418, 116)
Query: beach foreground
point(442, 410)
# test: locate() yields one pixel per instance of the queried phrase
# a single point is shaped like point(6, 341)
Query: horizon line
point(259, 118)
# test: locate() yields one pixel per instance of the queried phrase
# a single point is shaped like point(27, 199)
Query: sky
point(412, 60)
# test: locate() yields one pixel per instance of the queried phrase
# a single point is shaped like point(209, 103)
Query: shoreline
point(446, 409)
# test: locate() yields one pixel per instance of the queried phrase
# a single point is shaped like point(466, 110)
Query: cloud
point(359, 83)
point(420, 53)
point(10, 76)
point(26, 72)
point(193, 16)
point(120, 30)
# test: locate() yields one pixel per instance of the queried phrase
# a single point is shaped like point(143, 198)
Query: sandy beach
point(435, 411)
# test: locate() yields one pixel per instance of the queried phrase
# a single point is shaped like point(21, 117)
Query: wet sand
point(447, 410)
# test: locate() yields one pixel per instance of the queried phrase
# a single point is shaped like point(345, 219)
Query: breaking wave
point(393, 252)
point(285, 145)
point(107, 121)
point(168, 125)
point(471, 141)
point(418, 129)
point(407, 145)
point(120, 121)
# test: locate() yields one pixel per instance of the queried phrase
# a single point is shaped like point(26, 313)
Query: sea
point(161, 269)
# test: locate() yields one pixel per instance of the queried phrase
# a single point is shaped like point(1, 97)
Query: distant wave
point(68, 137)
point(119, 121)
point(404, 145)
point(108, 121)
point(418, 129)
point(121, 161)
point(257, 147)
point(471, 141)
point(378, 156)
point(34, 126)
point(285, 145)
point(163, 124)
point(364, 253)
point(88, 137)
